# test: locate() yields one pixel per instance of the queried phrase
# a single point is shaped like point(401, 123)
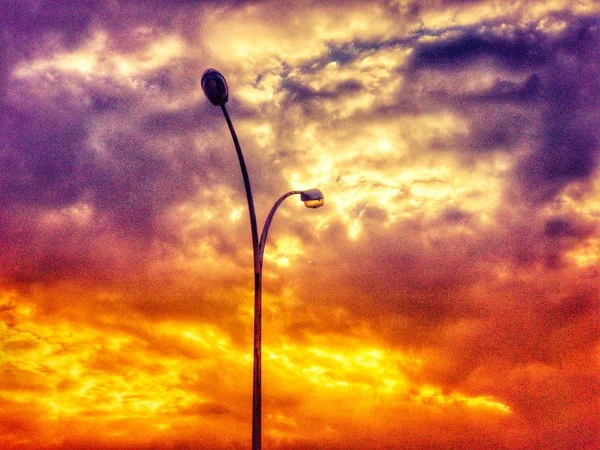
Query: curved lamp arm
point(312, 198)
point(265, 230)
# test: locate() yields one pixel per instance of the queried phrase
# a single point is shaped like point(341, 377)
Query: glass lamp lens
point(314, 203)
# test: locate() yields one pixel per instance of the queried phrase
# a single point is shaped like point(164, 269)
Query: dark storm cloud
point(69, 19)
point(49, 163)
point(546, 96)
point(345, 52)
point(302, 93)
point(41, 161)
point(67, 148)
point(48, 156)
point(522, 50)
point(559, 227)
point(568, 148)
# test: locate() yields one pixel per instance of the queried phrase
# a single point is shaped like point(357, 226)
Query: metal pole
point(258, 249)
point(256, 386)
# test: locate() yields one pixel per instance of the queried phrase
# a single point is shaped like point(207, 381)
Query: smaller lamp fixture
point(312, 198)
point(215, 87)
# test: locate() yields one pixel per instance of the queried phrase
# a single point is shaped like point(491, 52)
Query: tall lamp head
point(312, 198)
point(215, 87)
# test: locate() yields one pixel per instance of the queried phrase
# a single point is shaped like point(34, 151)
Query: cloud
point(304, 94)
point(549, 98)
point(568, 150)
point(517, 51)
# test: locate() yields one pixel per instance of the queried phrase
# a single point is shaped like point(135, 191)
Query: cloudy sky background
point(446, 296)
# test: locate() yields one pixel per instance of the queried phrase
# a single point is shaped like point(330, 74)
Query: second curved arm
point(265, 230)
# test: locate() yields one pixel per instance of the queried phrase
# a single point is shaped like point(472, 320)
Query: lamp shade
point(215, 87)
point(312, 198)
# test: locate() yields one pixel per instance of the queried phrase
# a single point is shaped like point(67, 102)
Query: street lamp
point(216, 90)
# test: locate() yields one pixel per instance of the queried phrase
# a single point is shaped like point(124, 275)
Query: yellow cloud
point(96, 58)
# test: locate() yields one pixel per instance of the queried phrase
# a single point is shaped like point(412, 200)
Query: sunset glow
point(445, 294)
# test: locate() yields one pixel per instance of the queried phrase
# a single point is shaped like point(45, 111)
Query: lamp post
point(216, 90)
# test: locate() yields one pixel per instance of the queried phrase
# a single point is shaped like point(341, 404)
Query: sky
point(445, 297)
